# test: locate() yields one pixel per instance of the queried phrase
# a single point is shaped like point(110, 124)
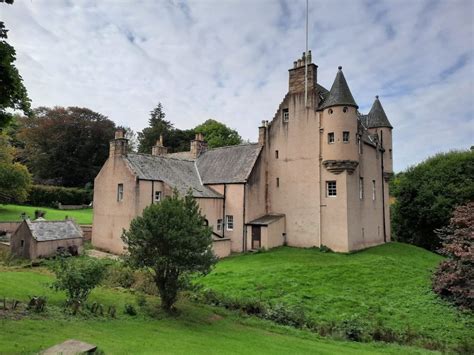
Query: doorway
point(256, 237)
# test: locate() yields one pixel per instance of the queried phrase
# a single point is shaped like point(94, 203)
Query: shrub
point(454, 278)
point(50, 196)
point(130, 310)
point(426, 195)
point(37, 304)
point(78, 277)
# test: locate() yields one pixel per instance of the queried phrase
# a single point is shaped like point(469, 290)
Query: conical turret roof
point(377, 116)
point(339, 95)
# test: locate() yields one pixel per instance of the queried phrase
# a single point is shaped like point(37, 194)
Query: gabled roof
point(339, 95)
point(177, 173)
point(43, 231)
point(377, 117)
point(231, 164)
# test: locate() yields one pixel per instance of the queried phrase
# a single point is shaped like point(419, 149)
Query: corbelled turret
point(377, 117)
point(339, 95)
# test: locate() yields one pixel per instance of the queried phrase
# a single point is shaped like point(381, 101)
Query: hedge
point(50, 196)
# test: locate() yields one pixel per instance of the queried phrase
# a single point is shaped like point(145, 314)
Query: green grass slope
point(382, 287)
point(198, 330)
point(12, 213)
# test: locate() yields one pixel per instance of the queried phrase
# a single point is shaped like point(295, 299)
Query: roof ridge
point(162, 156)
point(232, 146)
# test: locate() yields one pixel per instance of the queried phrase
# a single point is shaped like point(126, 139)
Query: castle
point(318, 176)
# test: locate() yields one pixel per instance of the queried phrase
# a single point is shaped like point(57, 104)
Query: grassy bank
point(13, 213)
point(386, 288)
point(197, 330)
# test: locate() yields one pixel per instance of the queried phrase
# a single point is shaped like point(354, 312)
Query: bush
point(130, 310)
point(427, 194)
point(454, 278)
point(50, 196)
point(78, 277)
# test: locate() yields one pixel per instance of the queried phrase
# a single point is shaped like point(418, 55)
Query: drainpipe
point(152, 190)
point(320, 242)
point(244, 230)
point(382, 151)
point(223, 213)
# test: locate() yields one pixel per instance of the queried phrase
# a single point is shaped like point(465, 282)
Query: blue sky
point(229, 60)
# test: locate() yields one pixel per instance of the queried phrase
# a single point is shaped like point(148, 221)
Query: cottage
point(42, 239)
point(317, 176)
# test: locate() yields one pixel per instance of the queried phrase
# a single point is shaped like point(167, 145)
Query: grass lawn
point(9, 213)
point(197, 330)
point(386, 287)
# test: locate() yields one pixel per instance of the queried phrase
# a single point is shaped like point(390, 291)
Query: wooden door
point(256, 237)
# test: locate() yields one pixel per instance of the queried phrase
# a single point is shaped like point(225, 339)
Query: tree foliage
point(157, 126)
point(426, 195)
point(13, 94)
point(172, 240)
point(218, 134)
point(65, 146)
point(454, 278)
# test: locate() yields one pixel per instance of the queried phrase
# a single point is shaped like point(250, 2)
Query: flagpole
point(306, 61)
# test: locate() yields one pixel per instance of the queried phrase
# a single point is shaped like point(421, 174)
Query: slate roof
point(231, 164)
point(267, 219)
point(339, 93)
point(53, 230)
point(178, 173)
point(377, 117)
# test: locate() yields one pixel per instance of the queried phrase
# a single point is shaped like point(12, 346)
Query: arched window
point(345, 109)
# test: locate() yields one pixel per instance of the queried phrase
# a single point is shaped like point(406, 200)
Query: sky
point(229, 60)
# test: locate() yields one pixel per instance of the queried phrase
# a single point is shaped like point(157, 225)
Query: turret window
point(286, 115)
point(331, 137)
point(345, 109)
point(361, 188)
point(276, 154)
point(331, 189)
point(390, 153)
point(373, 190)
point(330, 111)
point(345, 137)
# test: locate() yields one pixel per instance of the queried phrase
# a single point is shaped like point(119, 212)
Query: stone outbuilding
point(42, 239)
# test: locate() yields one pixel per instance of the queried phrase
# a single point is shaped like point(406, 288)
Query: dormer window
point(345, 137)
point(286, 115)
point(331, 137)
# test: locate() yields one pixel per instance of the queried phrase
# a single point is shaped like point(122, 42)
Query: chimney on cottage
point(118, 145)
point(198, 146)
point(159, 148)
point(262, 133)
point(297, 75)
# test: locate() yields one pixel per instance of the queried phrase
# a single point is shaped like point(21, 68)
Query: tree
point(427, 193)
point(157, 126)
point(172, 240)
point(65, 146)
point(13, 93)
point(218, 134)
point(454, 278)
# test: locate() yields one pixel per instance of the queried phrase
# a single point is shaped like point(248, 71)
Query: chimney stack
point(159, 148)
point(262, 133)
point(198, 146)
point(297, 75)
point(118, 145)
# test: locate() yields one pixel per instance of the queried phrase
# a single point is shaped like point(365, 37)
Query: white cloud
point(228, 60)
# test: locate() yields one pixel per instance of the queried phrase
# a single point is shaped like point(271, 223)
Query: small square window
point(219, 224)
point(331, 137)
point(276, 154)
point(119, 192)
point(157, 196)
point(230, 222)
point(286, 115)
point(331, 188)
point(345, 137)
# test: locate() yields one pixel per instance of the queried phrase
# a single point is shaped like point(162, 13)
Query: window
point(330, 111)
point(219, 224)
point(345, 137)
point(276, 154)
point(278, 182)
point(359, 143)
point(331, 137)
point(390, 153)
point(373, 190)
point(22, 243)
point(331, 188)
point(361, 188)
point(230, 222)
point(119, 192)
point(345, 109)
point(285, 115)
point(157, 196)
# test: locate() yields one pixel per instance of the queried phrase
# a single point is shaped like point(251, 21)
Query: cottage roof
point(377, 117)
point(232, 164)
point(43, 231)
point(340, 94)
point(178, 173)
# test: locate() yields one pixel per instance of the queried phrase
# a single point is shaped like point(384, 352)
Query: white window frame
point(229, 222)
point(361, 187)
point(119, 192)
point(331, 188)
point(219, 224)
point(285, 114)
point(157, 196)
point(332, 136)
point(373, 190)
point(344, 133)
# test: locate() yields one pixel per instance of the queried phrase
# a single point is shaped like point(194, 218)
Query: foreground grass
point(386, 287)
point(11, 213)
point(197, 330)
